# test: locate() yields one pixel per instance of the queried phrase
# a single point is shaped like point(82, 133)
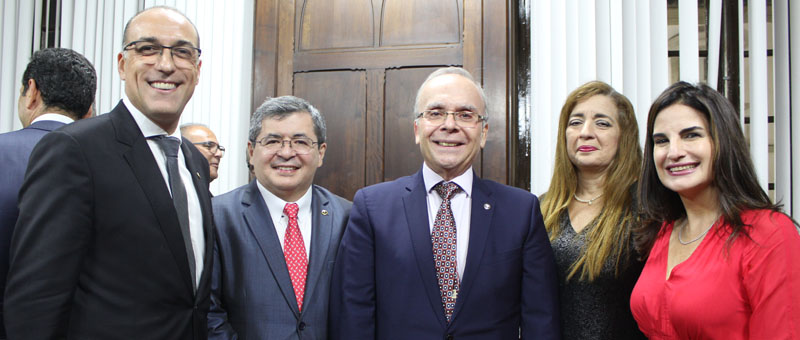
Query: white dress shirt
point(150, 129)
point(460, 203)
point(275, 207)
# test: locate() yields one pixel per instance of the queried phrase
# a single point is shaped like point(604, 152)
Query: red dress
point(751, 291)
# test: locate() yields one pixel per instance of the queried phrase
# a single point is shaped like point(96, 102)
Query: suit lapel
point(256, 216)
point(480, 224)
point(321, 231)
point(144, 167)
point(416, 209)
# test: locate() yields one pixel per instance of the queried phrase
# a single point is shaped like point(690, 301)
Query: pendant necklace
point(589, 201)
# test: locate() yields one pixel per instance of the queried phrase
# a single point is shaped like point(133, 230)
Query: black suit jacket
point(97, 251)
point(15, 148)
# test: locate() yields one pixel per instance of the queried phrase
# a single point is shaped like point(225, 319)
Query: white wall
point(94, 28)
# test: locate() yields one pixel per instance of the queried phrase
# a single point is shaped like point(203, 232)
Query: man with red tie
point(444, 254)
point(277, 236)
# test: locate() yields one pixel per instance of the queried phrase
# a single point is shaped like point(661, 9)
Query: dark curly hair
point(65, 78)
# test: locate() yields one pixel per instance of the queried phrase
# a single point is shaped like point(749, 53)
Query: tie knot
point(168, 144)
point(446, 190)
point(290, 209)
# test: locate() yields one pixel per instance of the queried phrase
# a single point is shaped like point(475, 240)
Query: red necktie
point(443, 237)
point(295, 253)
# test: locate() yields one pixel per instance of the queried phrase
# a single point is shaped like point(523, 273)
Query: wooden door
point(360, 62)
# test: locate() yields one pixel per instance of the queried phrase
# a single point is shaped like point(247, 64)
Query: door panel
point(361, 62)
point(403, 155)
point(420, 22)
point(341, 98)
point(323, 25)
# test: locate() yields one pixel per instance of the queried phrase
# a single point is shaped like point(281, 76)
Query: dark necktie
point(443, 237)
point(170, 146)
point(294, 251)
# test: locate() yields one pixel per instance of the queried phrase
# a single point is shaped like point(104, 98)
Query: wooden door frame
point(508, 142)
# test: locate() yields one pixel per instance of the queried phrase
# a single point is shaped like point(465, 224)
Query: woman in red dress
point(724, 262)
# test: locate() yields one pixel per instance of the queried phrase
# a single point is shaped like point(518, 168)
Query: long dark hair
point(734, 176)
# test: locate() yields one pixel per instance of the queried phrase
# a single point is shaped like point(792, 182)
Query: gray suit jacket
point(252, 295)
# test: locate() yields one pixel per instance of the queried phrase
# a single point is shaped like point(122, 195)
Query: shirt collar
point(147, 126)
point(275, 204)
point(54, 117)
point(431, 178)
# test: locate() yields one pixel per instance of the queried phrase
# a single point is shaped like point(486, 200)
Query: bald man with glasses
point(114, 235)
point(206, 142)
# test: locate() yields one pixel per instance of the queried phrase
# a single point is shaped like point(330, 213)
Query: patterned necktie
point(444, 247)
point(295, 253)
point(170, 146)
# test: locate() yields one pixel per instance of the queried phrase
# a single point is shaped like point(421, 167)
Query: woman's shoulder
point(764, 224)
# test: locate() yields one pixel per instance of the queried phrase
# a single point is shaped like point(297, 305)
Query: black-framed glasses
point(211, 146)
point(462, 118)
point(146, 48)
point(300, 145)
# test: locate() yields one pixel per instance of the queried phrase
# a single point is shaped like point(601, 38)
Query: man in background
point(444, 254)
point(114, 239)
point(206, 141)
point(58, 87)
point(277, 236)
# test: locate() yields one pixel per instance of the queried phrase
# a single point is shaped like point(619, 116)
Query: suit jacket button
point(301, 326)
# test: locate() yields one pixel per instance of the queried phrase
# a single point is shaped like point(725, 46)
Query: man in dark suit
point(114, 233)
point(58, 87)
point(443, 254)
point(277, 237)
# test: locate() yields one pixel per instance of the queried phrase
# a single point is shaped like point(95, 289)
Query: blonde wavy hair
point(609, 238)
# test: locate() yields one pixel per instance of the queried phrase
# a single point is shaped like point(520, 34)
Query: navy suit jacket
point(385, 287)
point(97, 251)
point(15, 149)
point(251, 292)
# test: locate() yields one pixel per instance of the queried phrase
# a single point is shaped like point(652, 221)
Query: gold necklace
point(589, 201)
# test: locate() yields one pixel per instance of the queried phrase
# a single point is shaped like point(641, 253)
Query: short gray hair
point(457, 71)
point(183, 127)
point(281, 107)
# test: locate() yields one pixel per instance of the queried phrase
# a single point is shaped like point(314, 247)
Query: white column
point(714, 32)
point(794, 60)
point(689, 60)
point(783, 133)
point(759, 106)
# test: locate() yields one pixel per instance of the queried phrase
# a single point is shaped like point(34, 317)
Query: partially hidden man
point(114, 234)
point(444, 254)
point(277, 237)
point(58, 88)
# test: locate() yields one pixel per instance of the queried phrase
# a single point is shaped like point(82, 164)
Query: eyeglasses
point(211, 146)
point(463, 118)
point(149, 49)
point(300, 145)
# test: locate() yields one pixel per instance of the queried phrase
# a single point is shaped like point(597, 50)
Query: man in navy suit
point(443, 254)
point(277, 237)
point(114, 234)
point(58, 87)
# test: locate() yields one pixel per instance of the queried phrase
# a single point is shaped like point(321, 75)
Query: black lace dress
point(599, 309)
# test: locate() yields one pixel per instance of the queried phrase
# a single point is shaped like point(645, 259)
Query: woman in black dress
point(589, 212)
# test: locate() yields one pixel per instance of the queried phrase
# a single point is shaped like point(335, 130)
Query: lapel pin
point(487, 206)
point(324, 212)
point(198, 174)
